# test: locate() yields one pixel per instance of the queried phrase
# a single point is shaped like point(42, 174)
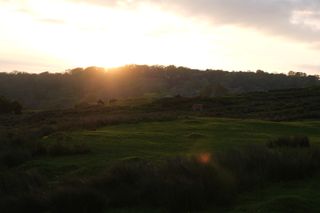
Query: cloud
point(296, 19)
point(270, 16)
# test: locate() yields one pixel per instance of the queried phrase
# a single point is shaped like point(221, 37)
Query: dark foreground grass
point(185, 184)
point(217, 168)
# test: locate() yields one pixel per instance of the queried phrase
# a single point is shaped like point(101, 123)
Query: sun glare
point(76, 34)
point(85, 34)
point(69, 33)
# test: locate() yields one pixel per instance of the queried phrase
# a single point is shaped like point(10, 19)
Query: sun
point(77, 34)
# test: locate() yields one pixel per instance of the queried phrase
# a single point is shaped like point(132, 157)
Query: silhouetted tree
point(16, 107)
point(7, 106)
point(62, 90)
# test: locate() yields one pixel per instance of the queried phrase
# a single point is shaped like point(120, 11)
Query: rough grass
point(156, 141)
point(186, 184)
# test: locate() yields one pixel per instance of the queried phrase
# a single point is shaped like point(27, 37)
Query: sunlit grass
point(158, 140)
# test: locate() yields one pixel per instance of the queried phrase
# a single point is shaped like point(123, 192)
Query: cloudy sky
point(55, 35)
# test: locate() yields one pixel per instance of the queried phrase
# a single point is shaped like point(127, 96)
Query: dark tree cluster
point(88, 85)
point(7, 106)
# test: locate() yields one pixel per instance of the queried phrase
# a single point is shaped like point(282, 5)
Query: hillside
point(279, 105)
point(196, 160)
point(79, 86)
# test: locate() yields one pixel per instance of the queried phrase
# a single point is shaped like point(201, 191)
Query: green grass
point(158, 140)
point(294, 196)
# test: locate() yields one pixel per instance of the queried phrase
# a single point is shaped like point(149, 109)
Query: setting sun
point(159, 106)
point(56, 35)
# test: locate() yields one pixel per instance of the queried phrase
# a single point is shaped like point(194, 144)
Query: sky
point(56, 35)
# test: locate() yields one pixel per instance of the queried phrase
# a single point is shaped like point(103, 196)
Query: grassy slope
point(294, 196)
point(278, 105)
point(157, 140)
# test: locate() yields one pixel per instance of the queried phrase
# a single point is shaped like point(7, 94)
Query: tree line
point(87, 85)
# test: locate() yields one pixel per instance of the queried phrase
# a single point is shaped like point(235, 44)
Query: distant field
point(158, 140)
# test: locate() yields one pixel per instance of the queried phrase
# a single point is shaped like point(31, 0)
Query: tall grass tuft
point(293, 142)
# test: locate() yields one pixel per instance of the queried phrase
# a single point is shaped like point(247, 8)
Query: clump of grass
point(294, 142)
point(184, 184)
point(45, 130)
point(77, 199)
point(26, 202)
point(291, 203)
point(17, 147)
point(14, 151)
point(178, 185)
point(13, 156)
point(15, 183)
point(60, 149)
point(256, 165)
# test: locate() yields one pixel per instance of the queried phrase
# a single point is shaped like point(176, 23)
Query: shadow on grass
point(185, 184)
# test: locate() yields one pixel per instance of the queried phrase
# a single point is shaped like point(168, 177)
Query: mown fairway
point(158, 140)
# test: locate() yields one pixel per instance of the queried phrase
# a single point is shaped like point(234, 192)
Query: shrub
point(176, 185)
point(16, 183)
point(45, 130)
point(295, 141)
point(13, 156)
point(26, 202)
point(60, 148)
point(191, 184)
point(186, 184)
point(257, 165)
point(77, 199)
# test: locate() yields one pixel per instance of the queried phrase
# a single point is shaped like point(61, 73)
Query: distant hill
point(76, 86)
point(278, 105)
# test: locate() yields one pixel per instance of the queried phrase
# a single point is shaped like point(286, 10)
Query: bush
point(295, 141)
point(77, 199)
point(257, 165)
point(17, 183)
point(184, 184)
point(192, 184)
point(26, 202)
point(17, 148)
point(60, 149)
point(14, 157)
point(176, 185)
point(7, 106)
point(45, 130)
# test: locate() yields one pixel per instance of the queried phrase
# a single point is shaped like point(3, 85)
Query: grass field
point(294, 196)
point(158, 140)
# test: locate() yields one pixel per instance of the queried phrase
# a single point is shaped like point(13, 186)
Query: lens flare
point(204, 158)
